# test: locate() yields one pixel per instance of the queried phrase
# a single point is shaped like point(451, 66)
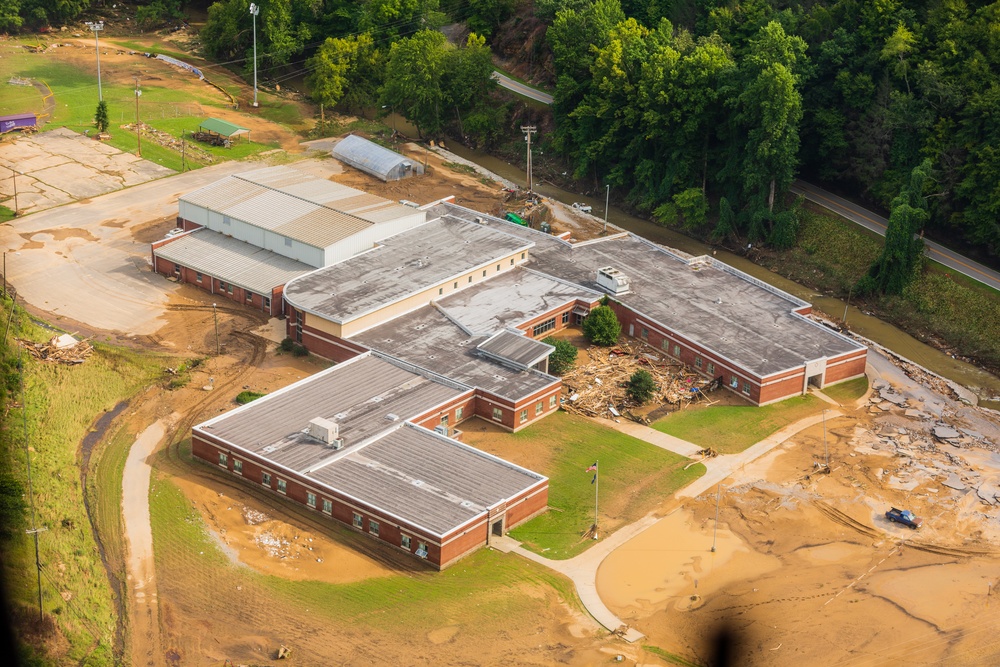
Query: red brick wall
point(512, 413)
point(321, 343)
point(186, 224)
point(789, 385)
point(854, 367)
point(469, 539)
point(432, 418)
point(527, 505)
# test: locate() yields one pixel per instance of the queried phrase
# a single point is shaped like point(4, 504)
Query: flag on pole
point(593, 468)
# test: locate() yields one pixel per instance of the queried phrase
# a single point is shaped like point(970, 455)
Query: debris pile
point(253, 517)
point(597, 388)
point(64, 349)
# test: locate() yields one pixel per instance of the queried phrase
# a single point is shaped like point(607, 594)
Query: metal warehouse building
point(362, 443)
point(375, 160)
point(257, 230)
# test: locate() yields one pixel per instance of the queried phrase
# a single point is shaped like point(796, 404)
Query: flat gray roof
point(427, 339)
point(358, 394)
point(510, 299)
point(515, 348)
point(426, 479)
point(398, 267)
point(400, 469)
point(232, 260)
point(704, 300)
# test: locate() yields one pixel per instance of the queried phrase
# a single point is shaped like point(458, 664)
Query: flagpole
point(597, 488)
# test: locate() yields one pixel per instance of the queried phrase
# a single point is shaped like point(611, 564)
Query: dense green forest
point(700, 112)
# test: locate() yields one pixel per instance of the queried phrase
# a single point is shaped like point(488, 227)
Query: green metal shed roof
point(222, 127)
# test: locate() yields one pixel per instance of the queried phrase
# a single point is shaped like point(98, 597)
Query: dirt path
point(139, 535)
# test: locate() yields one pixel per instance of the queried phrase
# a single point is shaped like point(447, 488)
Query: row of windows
point(539, 409)
point(226, 288)
point(542, 327)
point(454, 285)
point(734, 381)
point(405, 541)
point(373, 526)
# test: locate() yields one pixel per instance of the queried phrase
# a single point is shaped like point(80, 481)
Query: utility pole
point(597, 487)
point(13, 175)
point(138, 136)
point(826, 449)
point(215, 314)
point(607, 198)
point(528, 131)
point(254, 10)
point(848, 304)
point(183, 151)
point(97, 27)
point(715, 532)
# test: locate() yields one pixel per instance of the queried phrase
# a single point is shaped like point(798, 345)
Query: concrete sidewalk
point(582, 569)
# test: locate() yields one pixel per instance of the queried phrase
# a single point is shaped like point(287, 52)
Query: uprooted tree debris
point(597, 388)
point(63, 349)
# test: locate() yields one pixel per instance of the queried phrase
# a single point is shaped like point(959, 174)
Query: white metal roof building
point(291, 213)
point(375, 160)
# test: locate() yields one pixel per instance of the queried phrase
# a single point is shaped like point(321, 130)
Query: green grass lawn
point(848, 392)
point(62, 403)
point(729, 429)
point(635, 478)
point(6, 213)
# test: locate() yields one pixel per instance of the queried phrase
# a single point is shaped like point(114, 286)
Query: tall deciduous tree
point(413, 76)
point(601, 326)
point(346, 71)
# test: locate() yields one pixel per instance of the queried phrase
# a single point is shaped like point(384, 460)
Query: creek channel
point(984, 384)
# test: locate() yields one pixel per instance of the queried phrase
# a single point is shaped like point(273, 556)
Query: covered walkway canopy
point(223, 128)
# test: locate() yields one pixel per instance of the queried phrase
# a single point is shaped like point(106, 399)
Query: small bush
point(563, 357)
point(299, 350)
point(245, 397)
point(601, 327)
point(286, 345)
point(641, 387)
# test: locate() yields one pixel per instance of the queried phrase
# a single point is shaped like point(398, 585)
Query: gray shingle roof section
point(234, 261)
point(704, 300)
point(426, 479)
point(510, 299)
point(428, 339)
point(400, 266)
point(515, 348)
point(358, 394)
point(374, 159)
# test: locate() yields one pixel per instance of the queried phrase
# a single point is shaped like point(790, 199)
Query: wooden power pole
point(528, 131)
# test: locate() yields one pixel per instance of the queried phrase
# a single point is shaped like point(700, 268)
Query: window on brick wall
point(249, 296)
point(497, 414)
point(542, 327)
point(677, 350)
point(524, 416)
point(265, 478)
point(310, 499)
point(373, 527)
point(459, 413)
point(177, 268)
point(711, 368)
point(746, 387)
point(358, 521)
point(470, 279)
point(553, 400)
point(440, 291)
point(734, 382)
point(421, 549)
point(267, 302)
point(223, 459)
point(484, 274)
point(644, 333)
point(282, 486)
point(539, 408)
point(697, 362)
point(198, 277)
point(327, 506)
point(229, 288)
point(237, 466)
point(565, 317)
point(404, 541)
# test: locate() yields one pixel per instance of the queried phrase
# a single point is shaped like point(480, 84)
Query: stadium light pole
point(254, 10)
point(97, 27)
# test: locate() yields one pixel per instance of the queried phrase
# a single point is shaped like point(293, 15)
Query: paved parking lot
point(82, 261)
point(60, 166)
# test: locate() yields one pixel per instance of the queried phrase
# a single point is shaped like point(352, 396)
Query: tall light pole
point(528, 131)
point(254, 10)
point(97, 27)
point(715, 532)
point(215, 315)
point(138, 136)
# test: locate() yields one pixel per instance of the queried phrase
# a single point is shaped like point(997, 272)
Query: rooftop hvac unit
point(326, 431)
point(614, 281)
point(441, 429)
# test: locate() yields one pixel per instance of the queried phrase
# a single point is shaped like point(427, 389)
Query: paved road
point(878, 224)
point(521, 89)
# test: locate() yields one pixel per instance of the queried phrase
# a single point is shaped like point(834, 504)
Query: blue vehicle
point(905, 517)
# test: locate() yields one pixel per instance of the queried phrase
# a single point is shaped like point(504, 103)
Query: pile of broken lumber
point(64, 349)
point(597, 388)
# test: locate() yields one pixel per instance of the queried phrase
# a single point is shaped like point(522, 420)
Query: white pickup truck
point(586, 208)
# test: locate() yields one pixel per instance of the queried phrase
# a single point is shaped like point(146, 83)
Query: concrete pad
point(945, 432)
point(77, 180)
point(954, 482)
